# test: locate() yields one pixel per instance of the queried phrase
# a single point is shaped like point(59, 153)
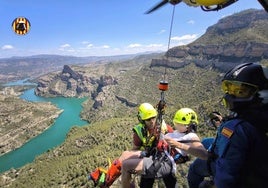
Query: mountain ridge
point(17, 67)
point(106, 83)
point(235, 39)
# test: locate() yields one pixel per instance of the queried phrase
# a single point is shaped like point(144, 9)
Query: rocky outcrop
point(68, 73)
point(106, 80)
point(74, 83)
point(243, 50)
point(235, 39)
point(99, 95)
point(213, 54)
point(68, 83)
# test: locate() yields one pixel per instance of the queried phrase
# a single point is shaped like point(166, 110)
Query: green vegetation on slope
point(189, 86)
point(21, 120)
point(84, 149)
point(87, 147)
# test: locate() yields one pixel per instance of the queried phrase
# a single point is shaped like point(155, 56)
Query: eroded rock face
point(68, 83)
point(106, 80)
point(237, 39)
point(240, 50)
point(73, 83)
point(68, 73)
point(236, 53)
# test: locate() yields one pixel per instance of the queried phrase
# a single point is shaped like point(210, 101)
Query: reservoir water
point(50, 138)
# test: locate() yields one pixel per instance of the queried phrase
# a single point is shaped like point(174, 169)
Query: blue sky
point(103, 27)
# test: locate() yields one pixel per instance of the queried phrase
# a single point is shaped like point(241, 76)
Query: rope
point(171, 26)
point(161, 104)
point(170, 33)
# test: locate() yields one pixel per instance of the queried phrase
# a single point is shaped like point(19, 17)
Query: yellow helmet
point(185, 116)
point(146, 111)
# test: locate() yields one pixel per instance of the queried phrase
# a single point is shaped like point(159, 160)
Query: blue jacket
point(242, 152)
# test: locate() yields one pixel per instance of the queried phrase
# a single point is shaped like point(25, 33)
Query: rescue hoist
point(163, 86)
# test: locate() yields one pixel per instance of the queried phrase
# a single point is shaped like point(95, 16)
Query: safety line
point(170, 32)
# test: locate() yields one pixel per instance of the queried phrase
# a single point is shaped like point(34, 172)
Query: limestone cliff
point(71, 82)
point(68, 83)
point(238, 38)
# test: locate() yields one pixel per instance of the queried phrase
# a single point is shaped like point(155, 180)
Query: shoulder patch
point(227, 132)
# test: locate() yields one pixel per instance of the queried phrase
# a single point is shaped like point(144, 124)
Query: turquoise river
point(52, 137)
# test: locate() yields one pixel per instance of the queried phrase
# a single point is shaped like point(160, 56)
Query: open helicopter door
point(264, 3)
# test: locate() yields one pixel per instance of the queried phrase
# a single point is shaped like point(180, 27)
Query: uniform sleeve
point(231, 159)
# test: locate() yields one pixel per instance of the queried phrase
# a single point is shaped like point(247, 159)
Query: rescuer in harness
point(143, 144)
point(152, 161)
point(147, 159)
point(237, 157)
point(162, 162)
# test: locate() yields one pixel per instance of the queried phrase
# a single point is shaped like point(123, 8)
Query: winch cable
point(163, 86)
point(169, 37)
point(171, 26)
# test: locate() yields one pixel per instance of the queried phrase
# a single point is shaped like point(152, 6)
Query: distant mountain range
point(238, 38)
point(16, 68)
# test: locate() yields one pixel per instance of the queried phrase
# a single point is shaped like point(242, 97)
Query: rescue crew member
point(131, 162)
point(198, 169)
point(238, 157)
point(187, 118)
point(162, 163)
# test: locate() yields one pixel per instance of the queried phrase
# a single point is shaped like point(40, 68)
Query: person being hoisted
point(161, 161)
point(144, 138)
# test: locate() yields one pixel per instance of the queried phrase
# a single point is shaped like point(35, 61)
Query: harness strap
point(174, 167)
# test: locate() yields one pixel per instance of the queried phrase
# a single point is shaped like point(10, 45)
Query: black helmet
point(244, 85)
